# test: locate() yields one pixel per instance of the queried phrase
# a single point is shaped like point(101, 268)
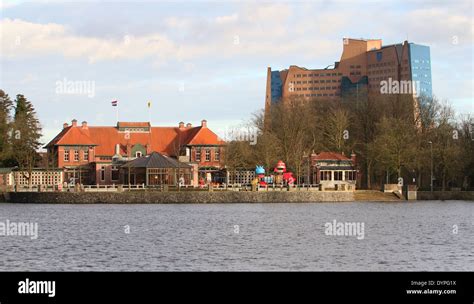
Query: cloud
point(235, 35)
point(22, 38)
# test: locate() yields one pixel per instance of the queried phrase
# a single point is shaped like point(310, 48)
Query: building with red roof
point(94, 154)
point(333, 170)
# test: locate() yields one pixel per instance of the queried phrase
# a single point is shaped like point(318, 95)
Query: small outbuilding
point(157, 169)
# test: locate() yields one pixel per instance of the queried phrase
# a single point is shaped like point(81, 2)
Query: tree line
point(396, 139)
point(20, 133)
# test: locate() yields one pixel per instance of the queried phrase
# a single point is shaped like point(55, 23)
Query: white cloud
point(22, 38)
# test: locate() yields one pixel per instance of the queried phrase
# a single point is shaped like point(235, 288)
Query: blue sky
point(207, 59)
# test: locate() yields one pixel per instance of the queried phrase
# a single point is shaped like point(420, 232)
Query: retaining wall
point(190, 197)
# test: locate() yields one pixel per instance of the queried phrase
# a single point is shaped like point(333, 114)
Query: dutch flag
point(114, 103)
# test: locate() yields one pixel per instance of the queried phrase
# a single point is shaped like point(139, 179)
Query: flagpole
point(149, 112)
point(116, 113)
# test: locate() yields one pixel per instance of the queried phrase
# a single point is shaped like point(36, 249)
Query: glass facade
point(420, 62)
point(276, 85)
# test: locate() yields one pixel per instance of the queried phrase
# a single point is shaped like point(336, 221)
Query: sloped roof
point(155, 160)
point(204, 136)
point(72, 136)
point(166, 140)
point(329, 156)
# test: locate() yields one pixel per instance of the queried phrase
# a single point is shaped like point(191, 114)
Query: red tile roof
point(72, 136)
point(166, 140)
point(329, 156)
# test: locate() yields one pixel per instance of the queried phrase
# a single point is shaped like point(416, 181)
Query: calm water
point(398, 236)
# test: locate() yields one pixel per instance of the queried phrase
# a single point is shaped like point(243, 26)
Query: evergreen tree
point(5, 107)
point(25, 136)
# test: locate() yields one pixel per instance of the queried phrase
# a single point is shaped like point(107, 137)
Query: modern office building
point(362, 70)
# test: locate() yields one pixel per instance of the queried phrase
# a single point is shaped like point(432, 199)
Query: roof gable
point(72, 136)
point(205, 136)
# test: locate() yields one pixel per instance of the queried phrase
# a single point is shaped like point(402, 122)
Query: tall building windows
point(217, 155)
point(76, 155)
point(66, 155)
point(379, 56)
point(208, 155)
point(86, 155)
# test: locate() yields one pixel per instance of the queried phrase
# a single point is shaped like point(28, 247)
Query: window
point(66, 155)
point(138, 154)
point(338, 175)
point(86, 155)
point(351, 175)
point(379, 56)
point(198, 154)
point(115, 173)
point(76, 155)
point(102, 173)
point(325, 175)
point(208, 155)
point(217, 155)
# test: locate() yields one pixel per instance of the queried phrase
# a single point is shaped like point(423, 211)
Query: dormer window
point(138, 154)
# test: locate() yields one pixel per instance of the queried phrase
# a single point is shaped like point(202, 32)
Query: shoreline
point(155, 197)
point(224, 197)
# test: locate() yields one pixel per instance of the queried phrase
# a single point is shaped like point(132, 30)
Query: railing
point(279, 187)
point(166, 188)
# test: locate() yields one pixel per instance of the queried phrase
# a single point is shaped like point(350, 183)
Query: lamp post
point(431, 178)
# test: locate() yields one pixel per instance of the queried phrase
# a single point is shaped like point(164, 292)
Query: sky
point(208, 60)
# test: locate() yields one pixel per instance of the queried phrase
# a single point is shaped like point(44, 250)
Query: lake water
point(432, 236)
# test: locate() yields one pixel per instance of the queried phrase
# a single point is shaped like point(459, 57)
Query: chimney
point(117, 149)
point(74, 122)
point(204, 123)
point(189, 125)
point(65, 125)
point(84, 125)
point(181, 125)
